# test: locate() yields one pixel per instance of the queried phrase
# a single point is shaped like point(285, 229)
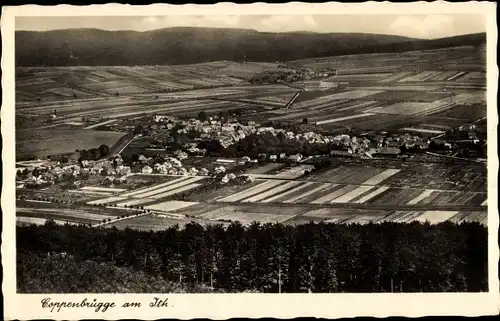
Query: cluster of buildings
point(372, 144)
point(173, 166)
point(226, 132)
point(230, 131)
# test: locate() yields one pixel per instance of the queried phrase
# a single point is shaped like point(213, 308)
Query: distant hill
point(186, 45)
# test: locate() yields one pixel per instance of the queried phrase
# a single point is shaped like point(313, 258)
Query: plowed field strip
point(371, 195)
point(251, 191)
point(271, 192)
point(379, 178)
point(286, 193)
point(155, 187)
point(334, 194)
point(154, 193)
point(352, 194)
point(308, 193)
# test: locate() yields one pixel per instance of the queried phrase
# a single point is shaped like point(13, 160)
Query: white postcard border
point(223, 306)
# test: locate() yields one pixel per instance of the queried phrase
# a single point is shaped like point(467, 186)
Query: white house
point(147, 170)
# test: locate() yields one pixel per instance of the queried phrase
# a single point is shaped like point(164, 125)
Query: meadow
point(50, 141)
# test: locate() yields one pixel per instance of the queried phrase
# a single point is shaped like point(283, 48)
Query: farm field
point(267, 191)
point(423, 93)
point(264, 169)
point(150, 195)
point(300, 214)
point(44, 142)
point(155, 222)
point(441, 89)
point(368, 193)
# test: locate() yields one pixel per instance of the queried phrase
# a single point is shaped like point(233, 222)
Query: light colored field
point(246, 218)
point(154, 193)
point(36, 220)
point(456, 75)
point(485, 203)
point(293, 190)
point(107, 122)
point(435, 217)
point(402, 216)
point(273, 177)
point(403, 108)
point(37, 201)
point(66, 213)
point(91, 192)
point(175, 191)
point(336, 120)
point(170, 205)
point(74, 123)
point(155, 187)
point(352, 194)
point(420, 76)
point(309, 192)
point(334, 194)
point(251, 191)
point(296, 171)
point(420, 197)
point(423, 130)
point(443, 75)
point(371, 195)
point(320, 212)
point(113, 199)
point(379, 178)
point(396, 76)
point(103, 189)
point(271, 192)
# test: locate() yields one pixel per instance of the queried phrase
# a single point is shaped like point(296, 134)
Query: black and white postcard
point(217, 161)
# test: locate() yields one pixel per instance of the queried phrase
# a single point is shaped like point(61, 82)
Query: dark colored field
point(465, 112)
point(68, 218)
point(409, 95)
point(45, 142)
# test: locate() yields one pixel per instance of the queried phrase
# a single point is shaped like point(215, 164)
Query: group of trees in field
point(264, 258)
point(268, 143)
point(223, 114)
point(93, 153)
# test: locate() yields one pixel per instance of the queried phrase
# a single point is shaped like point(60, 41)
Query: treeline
point(307, 258)
point(92, 47)
point(63, 274)
point(93, 153)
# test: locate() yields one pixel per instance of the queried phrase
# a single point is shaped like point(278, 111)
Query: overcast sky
point(418, 26)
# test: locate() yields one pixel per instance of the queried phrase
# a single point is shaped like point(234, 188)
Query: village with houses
point(217, 151)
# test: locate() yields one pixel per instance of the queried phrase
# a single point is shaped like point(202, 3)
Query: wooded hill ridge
point(188, 45)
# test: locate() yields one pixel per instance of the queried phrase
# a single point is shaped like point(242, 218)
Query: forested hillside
point(313, 257)
point(183, 45)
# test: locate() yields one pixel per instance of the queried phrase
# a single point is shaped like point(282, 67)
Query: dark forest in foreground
point(314, 257)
